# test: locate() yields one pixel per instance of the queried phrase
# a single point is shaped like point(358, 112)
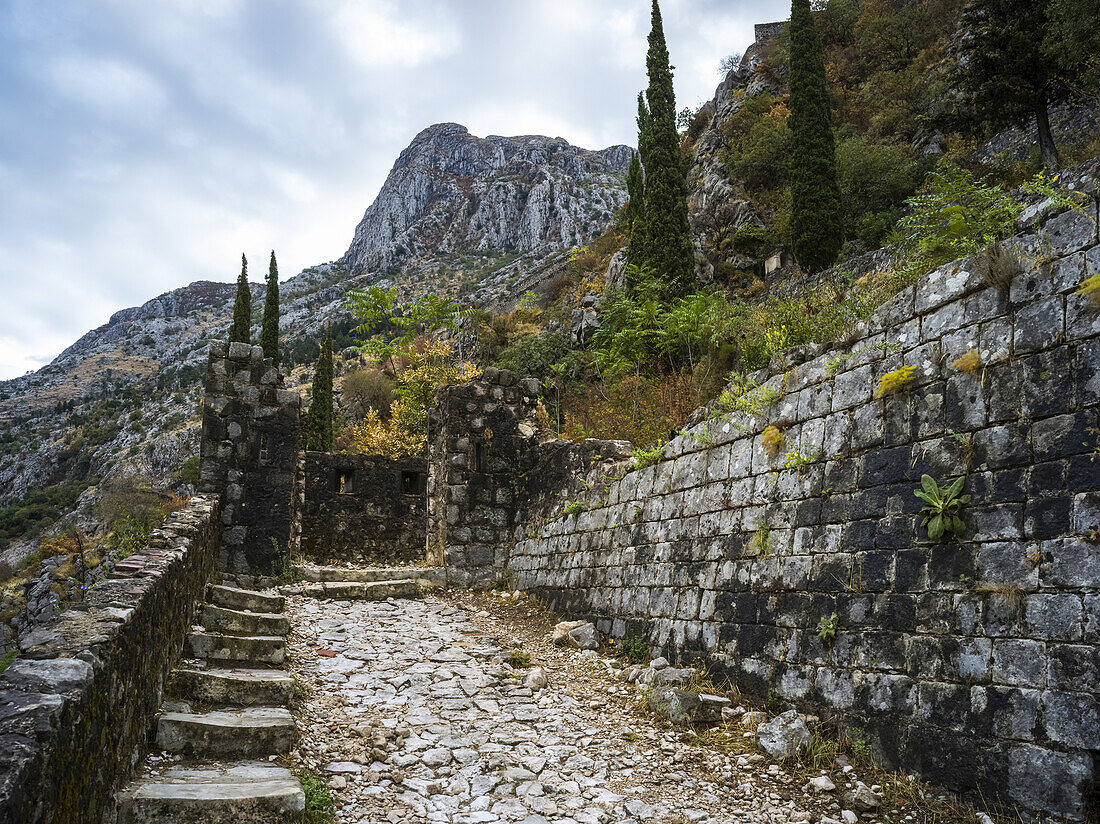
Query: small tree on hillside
point(241, 329)
point(269, 331)
point(1022, 56)
point(668, 246)
point(319, 427)
point(816, 219)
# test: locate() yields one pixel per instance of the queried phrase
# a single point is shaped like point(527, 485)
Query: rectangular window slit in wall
point(481, 457)
point(263, 446)
point(411, 483)
point(345, 481)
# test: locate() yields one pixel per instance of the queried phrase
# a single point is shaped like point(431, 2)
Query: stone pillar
point(251, 431)
point(483, 437)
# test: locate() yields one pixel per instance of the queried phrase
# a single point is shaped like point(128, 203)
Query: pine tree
point(638, 251)
point(269, 331)
point(669, 250)
point(319, 434)
point(817, 231)
point(241, 329)
point(1023, 56)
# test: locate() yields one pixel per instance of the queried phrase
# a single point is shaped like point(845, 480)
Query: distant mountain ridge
point(457, 214)
point(451, 191)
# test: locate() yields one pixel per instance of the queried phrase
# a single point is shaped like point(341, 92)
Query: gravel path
point(412, 715)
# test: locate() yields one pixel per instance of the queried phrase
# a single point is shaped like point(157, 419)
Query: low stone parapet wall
point(76, 706)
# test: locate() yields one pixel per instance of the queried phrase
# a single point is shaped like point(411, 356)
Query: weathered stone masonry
point(974, 662)
point(76, 706)
point(363, 509)
point(251, 430)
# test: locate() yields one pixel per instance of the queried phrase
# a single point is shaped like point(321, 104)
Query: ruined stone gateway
point(973, 661)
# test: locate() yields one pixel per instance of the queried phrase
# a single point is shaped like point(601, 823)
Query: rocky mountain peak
point(451, 191)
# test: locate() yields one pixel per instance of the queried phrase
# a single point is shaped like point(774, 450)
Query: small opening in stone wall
point(481, 457)
point(412, 483)
point(345, 481)
point(263, 446)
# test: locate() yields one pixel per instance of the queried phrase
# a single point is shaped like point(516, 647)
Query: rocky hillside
point(450, 191)
point(483, 218)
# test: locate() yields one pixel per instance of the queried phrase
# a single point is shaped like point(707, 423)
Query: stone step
point(245, 793)
point(237, 622)
point(241, 687)
point(367, 575)
point(258, 731)
point(249, 649)
point(244, 599)
point(358, 591)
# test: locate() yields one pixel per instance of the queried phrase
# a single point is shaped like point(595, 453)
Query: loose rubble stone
point(784, 735)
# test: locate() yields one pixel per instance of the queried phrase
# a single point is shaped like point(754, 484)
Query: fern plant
point(942, 506)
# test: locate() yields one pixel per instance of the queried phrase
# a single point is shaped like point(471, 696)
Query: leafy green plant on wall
point(826, 629)
point(574, 508)
point(647, 457)
point(942, 506)
point(896, 382)
point(799, 460)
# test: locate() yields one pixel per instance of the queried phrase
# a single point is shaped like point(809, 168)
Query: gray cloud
point(145, 145)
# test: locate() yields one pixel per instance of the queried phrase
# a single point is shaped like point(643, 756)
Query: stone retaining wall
point(975, 661)
point(76, 706)
point(363, 509)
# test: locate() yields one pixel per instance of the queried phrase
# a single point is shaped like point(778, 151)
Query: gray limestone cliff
point(451, 191)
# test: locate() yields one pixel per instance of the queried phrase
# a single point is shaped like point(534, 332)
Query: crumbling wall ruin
point(251, 433)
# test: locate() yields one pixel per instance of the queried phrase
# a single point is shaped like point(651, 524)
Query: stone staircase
point(367, 583)
point(229, 719)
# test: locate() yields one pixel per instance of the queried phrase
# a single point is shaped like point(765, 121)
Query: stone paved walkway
point(412, 715)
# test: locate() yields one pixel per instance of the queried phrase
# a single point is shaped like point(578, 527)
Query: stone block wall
point(975, 661)
point(482, 438)
point(77, 705)
point(364, 509)
point(251, 433)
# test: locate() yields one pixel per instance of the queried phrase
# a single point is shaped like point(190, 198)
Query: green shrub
point(535, 355)
point(953, 216)
point(189, 471)
point(874, 178)
point(319, 805)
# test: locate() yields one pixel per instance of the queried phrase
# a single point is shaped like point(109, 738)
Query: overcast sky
point(145, 144)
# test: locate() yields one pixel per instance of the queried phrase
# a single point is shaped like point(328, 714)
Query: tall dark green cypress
point(635, 190)
point(241, 329)
point(638, 249)
point(319, 434)
point(817, 230)
point(269, 331)
point(669, 250)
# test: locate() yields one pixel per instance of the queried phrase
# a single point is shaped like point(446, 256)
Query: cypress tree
point(816, 220)
point(669, 250)
point(634, 190)
point(269, 331)
point(319, 434)
point(637, 251)
point(241, 328)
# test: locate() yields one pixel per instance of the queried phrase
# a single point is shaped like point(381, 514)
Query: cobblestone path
point(412, 715)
